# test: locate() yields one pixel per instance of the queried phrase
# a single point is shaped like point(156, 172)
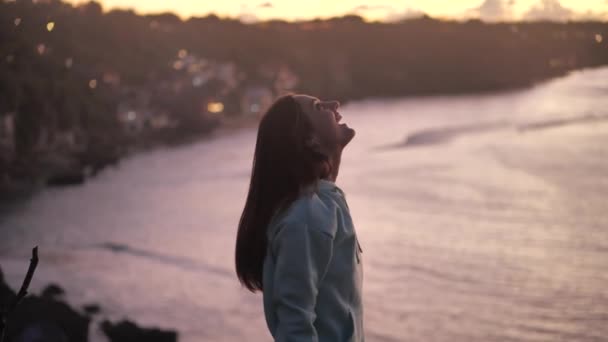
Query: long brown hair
point(286, 159)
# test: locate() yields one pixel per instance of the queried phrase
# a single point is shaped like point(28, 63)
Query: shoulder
point(312, 212)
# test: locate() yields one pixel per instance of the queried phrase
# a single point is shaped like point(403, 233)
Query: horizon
point(383, 11)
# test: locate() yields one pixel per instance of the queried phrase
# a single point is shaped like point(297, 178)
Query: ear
point(324, 169)
point(313, 143)
point(322, 163)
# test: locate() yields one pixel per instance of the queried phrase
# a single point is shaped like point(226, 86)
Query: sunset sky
point(373, 9)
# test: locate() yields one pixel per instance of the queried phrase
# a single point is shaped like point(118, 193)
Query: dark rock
point(52, 291)
point(42, 332)
point(6, 293)
point(91, 309)
point(126, 331)
point(42, 319)
point(72, 177)
point(46, 318)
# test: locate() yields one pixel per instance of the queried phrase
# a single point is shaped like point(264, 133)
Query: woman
point(296, 241)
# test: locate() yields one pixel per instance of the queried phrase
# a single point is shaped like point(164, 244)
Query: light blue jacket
point(313, 272)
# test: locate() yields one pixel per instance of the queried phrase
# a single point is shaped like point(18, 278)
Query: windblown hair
point(286, 160)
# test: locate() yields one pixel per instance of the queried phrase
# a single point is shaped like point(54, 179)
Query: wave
point(535, 126)
point(185, 263)
point(441, 135)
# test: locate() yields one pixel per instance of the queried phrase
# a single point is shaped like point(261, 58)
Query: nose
point(333, 105)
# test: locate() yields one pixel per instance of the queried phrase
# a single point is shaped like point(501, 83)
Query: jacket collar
point(327, 185)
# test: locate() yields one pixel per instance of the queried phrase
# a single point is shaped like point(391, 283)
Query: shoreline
point(48, 314)
point(15, 189)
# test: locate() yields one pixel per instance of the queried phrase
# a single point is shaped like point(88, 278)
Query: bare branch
point(21, 294)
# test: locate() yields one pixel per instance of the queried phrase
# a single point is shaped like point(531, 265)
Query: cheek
point(327, 130)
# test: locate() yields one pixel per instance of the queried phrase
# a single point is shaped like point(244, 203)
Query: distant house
point(68, 140)
point(285, 80)
point(130, 119)
point(111, 78)
point(213, 108)
point(256, 100)
point(65, 140)
point(7, 136)
point(134, 112)
point(136, 120)
point(160, 120)
point(227, 73)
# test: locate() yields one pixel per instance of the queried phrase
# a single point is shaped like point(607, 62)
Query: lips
point(337, 116)
point(338, 119)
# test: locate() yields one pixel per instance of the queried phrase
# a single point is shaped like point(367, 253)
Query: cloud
point(592, 16)
point(391, 14)
point(266, 5)
point(408, 13)
point(549, 10)
point(493, 10)
point(363, 8)
point(248, 18)
point(248, 15)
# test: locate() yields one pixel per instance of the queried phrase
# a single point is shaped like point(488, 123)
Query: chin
point(347, 135)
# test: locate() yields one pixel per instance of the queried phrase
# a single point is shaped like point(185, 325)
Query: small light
point(131, 115)
point(50, 26)
point(93, 84)
point(598, 38)
point(41, 48)
point(69, 62)
point(193, 68)
point(10, 58)
point(17, 21)
point(178, 65)
point(215, 107)
point(555, 62)
point(197, 81)
point(182, 53)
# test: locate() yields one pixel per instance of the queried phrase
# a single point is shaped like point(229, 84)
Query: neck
point(335, 159)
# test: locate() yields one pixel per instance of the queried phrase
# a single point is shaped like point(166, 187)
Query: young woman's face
point(326, 121)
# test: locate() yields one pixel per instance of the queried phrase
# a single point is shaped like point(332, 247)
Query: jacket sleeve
point(302, 255)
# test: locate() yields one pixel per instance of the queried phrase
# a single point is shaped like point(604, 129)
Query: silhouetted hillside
point(76, 77)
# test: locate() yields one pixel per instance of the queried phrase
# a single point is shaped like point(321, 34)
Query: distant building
point(136, 120)
point(160, 120)
point(135, 113)
point(213, 108)
point(65, 140)
point(111, 77)
point(227, 73)
point(69, 140)
point(256, 100)
point(7, 136)
point(130, 119)
point(285, 80)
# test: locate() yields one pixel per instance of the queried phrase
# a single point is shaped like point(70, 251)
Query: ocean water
point(481, 218)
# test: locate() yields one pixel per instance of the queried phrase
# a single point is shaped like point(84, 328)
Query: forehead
point(304, 100)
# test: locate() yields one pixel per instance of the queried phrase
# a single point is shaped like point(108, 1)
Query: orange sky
point(373, 9)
